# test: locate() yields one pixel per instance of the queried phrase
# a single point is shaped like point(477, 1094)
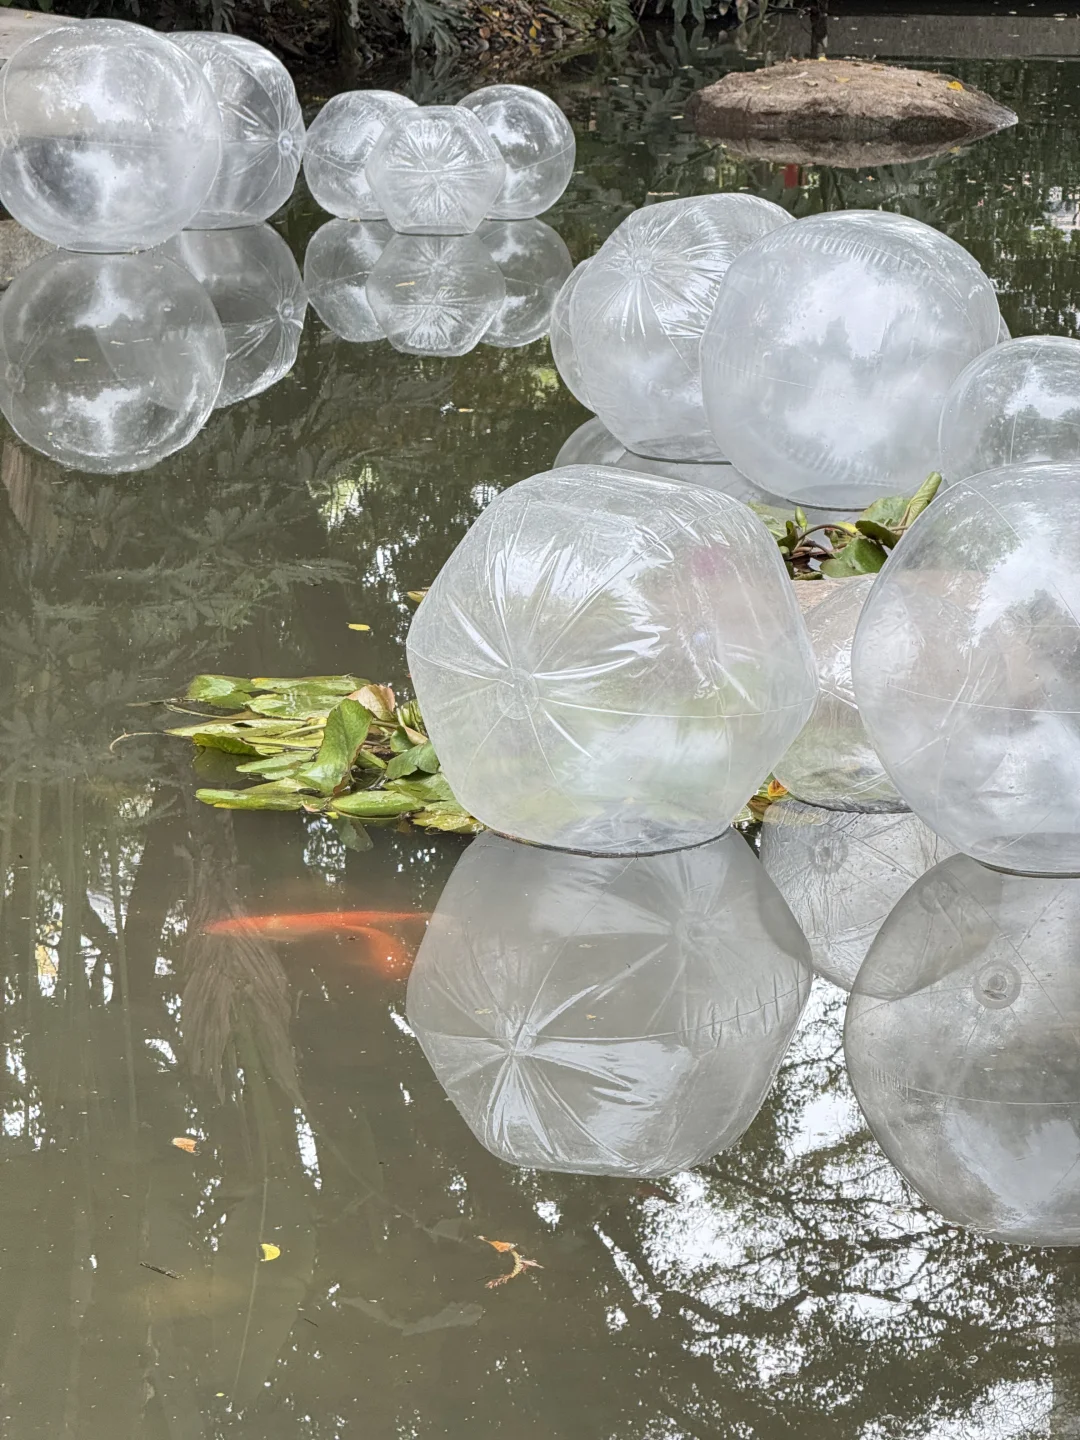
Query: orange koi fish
point(370, 926)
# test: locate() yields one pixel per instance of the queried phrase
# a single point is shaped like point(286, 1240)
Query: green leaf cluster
point(334, 745)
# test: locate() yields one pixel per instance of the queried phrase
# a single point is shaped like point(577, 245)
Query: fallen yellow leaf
point(184, 1142)
point(269, 1252)
point(416, 595)
point(359, 627)
point(955, 85)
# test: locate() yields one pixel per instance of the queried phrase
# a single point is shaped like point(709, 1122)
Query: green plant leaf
point(888, 512)
point(373, 804)
point(922, 498)
point(419, 757)
point(444, 815)
point(862, 557)
point(881, 533)
point(346, 730)
point(776, 521)
point(275, 796)
point(226, 692)
point(278, 767)
point(228, 740)
point(340, 685)
point(353, 836)
point(424, 789)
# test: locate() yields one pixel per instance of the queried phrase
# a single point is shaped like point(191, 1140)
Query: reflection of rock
point(435, 294)
point(109, 362)
point(18, 249)
point(608, 1016)
point(339, 258)
point(254, 282)
point(535, 264)
point(842, 874)
point(962, 1046)
point(838, 154)
point(843, 101)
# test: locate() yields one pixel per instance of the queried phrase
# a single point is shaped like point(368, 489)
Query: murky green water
point(793, 1285)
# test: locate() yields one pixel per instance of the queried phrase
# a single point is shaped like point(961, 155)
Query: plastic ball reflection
point(435, 294)
point(112, 137)
point(109, 362)
point(966, 666)
point(337, 263)
point(1018, 402)
point(262, 129)
point(832, 762)
point(535, 264)
point(254, 283)
point(611, 663)
point(435, 171)
point(534, 138)
point(638, 313)
point(339, 142)
point(832, 346)
point(607, 1017)
point(961, 1046)
point(841, 874)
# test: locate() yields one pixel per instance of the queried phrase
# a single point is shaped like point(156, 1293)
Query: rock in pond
point(843, 112)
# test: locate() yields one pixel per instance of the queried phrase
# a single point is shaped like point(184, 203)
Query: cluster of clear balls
point(614, 660)
point(153, 163)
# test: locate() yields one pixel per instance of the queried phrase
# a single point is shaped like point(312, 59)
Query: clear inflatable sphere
point(841, 874)
point(535, 264)
point(966, 667)
point(594, 444)
point(435, 294)
point(112, 137)
point(832, 346)
point(563, 350)
point(638, 313)
point(262, 129)
point(1019, 401)
point(108, 363)
point(435, 171)
point(535, 140)
point(339, 142)
point(832, 762)
point(961, 1044)
point(611, 663)
point(339, 258)
point(608, 1017)
point(254, 283)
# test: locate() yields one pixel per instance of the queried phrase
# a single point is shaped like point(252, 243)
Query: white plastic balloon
point(535, 140)
point(339, 142)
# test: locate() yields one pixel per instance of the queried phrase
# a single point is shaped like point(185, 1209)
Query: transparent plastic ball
point(339, 258)
point(1019, 401)
point(535, 264)
point(608, 1017)
point(832, 762)
point(831, 349)
point(262, 129)
point(594, 444)
point(254, 283)
point(435, 294)
point(966, 666)
point(108, 363)
point(339, 142)
point(610, 662)
point(111, 137)
point(563, 350)
point(842, 873)
point(435, 171)
point(961, 1045)
point(638, 313)
point(535, 140)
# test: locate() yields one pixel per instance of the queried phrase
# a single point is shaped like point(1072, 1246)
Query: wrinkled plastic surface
point(608, 1017)
point(108, 362)
point(966, 667)
point(611, 663)
point(342, 136)
point(254, 283)
point(339, 258)
point(535, 264)
point(961, 1044)
point(536, 141)
point(435, 171)
point(638, 313)
point(841, 874)
point(563, 350)
point(832, 346)
point(111, 137)
point(435, 294)
point(1015, 403)
point(832, 762)
point(262, 129)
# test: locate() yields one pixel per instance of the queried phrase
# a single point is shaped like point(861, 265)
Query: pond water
point(793, 1285)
